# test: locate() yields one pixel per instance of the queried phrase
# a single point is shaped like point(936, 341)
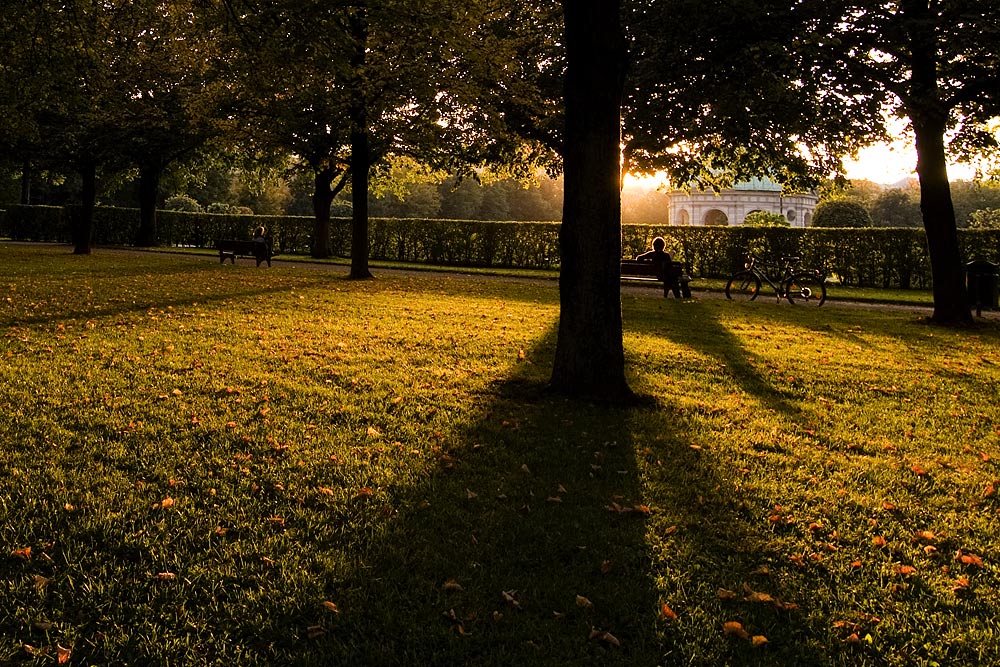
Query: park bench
point(232, 248)
point(676, 280)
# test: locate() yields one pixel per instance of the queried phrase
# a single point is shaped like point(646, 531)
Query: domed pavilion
point(732, 206)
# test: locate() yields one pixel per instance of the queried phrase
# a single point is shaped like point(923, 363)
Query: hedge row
point(861, 257)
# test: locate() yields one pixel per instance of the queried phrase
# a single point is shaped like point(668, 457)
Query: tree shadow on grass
point(552, 533)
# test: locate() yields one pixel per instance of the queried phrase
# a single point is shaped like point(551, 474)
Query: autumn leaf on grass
point(925, 536)
point(363, 492)
point(735, 629)
point(165, 503)
point(23, 553)
point(165, 576)
point(918, 471)
point(374, 432)
point(906, 570)
point(758, 640)
point(510, 597)
point(725, 594)
point(63, 654)
point(990, 490)
point(583, 602)
point(604, 636)
point(452, 586)
point(969, 559)
point(331, 607)
point(667, 613)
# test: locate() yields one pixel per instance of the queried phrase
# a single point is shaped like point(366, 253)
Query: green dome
point(758, 185)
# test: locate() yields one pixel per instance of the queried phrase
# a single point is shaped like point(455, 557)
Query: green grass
point(229, 465)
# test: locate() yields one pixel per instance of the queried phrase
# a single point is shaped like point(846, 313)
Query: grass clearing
point(213, 464)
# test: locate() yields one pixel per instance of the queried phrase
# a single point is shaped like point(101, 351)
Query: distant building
point(732, 206)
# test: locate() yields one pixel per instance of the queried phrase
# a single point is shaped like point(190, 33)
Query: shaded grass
point(200, 456)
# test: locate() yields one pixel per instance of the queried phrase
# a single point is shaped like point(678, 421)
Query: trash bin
point(981, 282)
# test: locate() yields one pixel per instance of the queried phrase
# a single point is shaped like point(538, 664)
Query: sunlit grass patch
point(212, 464)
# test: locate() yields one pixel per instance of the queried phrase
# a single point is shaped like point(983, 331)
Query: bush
point(841, 213)
point(985, 219)
point(766, 219)
point(182, 203)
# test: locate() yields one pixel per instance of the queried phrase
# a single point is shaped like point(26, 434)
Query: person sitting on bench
point(666, 269)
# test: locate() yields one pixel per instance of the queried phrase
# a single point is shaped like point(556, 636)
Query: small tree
point(841, 213)
point(895, 208)
point(985, 219)
point(765, 219)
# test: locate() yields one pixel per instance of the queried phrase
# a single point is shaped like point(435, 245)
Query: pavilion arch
point(715, 218)
point(684, 217)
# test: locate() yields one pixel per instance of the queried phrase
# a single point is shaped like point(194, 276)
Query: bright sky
point(891, 163)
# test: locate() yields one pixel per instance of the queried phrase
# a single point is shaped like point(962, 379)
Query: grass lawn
point(208, 464)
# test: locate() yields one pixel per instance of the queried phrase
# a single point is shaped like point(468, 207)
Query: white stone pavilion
point(732, 206)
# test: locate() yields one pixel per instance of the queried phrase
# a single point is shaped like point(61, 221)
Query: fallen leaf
point(315, 631)
point(604, 636)
point(373, 432)
point(166, 576)
point(758, 640)
point(763, 598)
point(668, 613)
point(452, 586)
point(879, 541)
point(726, 594)
point(607, 566)
point(736, 629)
point(23, 553)
point(970, 559)
point(990, 490)
point(583, 602)
point(167, 502)
point(906, 570)
point(41, 583)
point(918, 471)
point(331, 607)
point(925, 536)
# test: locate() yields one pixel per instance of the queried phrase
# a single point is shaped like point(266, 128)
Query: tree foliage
point(841, 213)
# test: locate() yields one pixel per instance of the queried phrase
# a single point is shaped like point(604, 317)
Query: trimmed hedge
point(870, 257)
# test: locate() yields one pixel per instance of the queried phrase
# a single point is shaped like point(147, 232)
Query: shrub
point(182, 203)
point(841, 213)
point(985, 219)
point(766, 219)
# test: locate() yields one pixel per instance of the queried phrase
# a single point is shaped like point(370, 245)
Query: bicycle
point(786, 278)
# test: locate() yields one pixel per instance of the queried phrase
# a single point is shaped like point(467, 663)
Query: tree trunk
point(149, 192)
point(929, 117)
point(26, 183)
point(590, 359)
point(322, 200)
point(360, 165)
point(83, 224)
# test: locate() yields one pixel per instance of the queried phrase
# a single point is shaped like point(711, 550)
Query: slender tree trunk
point(149, 192)
point(83, 224)
point(26, 183)
point(360, 165)
point(322, 201)
point(929, 116)
point(360, 148)
point(590, 360)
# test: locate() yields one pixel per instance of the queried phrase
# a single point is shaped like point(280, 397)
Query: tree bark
point(149, 191)
point(360, 165)
point(83, 224)
point(26, 183)
point(322, 200)
point(589, 360)
point(929, 116)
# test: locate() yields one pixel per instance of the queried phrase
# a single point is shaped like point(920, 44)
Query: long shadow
point(536, 542)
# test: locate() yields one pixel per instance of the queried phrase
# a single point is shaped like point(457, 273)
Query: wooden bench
point(231, 249)
point(676, 280)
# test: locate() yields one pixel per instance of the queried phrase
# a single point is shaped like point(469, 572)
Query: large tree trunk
point(928, 115)
point(83, 224)
point(360, 165)
point(149, 192)
point(590, 359)
point(322, 200)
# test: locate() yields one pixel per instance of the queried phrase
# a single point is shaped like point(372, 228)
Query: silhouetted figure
point(260, 240)
point(666, 269)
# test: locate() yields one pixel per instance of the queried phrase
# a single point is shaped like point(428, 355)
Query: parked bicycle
point(787, 279)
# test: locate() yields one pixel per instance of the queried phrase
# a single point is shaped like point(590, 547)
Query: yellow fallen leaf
point(758, 640)
point(166, 576)
point(167, 502)
point(373, 432)
point(331, 607)
point(925, 536)
point(583, 602)
point(735, 629)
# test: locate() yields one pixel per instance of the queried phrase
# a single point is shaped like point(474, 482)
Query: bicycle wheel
point(743, 286)
point(805, 288)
